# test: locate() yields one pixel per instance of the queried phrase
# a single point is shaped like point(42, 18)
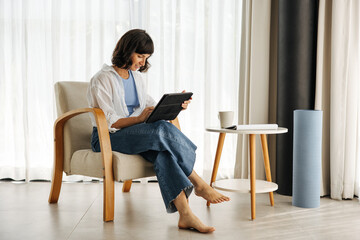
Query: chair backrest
point(77, 130)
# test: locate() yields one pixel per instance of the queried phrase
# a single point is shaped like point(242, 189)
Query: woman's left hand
point(185, 103)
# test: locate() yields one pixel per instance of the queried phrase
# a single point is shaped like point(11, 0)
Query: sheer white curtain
point(337, 94)
point(197, 48)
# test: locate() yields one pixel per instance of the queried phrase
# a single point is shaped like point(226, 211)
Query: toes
point(217, 200)
point(220, 199)
point(225, 198)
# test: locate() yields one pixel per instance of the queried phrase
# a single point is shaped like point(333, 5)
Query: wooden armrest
point(103, 132)
point(104, 139)
point(106, 153)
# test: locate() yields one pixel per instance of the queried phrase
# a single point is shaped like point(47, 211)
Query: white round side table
point(251, 185)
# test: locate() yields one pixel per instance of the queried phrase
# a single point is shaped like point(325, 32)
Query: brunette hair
point(133, 41)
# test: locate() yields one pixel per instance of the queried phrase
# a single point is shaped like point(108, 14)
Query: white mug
point(226, 118)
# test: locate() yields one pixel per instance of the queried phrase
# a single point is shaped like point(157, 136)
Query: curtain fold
point(322, 94)
point(41, 42)
point(254, 80)
point(273, 84)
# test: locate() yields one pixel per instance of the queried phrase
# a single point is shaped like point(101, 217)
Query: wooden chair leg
point(267, 164)
point(127, 186)
point(252, 175)
point(217, 160)
point(55, 186)
point(109, 200)
point(58, 163)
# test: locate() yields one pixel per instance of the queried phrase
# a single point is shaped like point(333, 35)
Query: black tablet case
point(168, 107)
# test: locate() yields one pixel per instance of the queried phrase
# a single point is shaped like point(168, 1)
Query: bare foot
point(190, 221)
point(210, 194)
point(204, 190)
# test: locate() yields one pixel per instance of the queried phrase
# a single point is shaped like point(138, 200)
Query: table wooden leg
point(252, 175)
point(267, 164)
point(217, 160)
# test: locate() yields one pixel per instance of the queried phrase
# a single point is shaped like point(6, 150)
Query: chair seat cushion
point(88, 163)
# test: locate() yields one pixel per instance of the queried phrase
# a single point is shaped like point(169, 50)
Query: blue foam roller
point(307, 158)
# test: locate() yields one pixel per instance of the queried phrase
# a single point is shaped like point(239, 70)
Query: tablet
point(168, 107)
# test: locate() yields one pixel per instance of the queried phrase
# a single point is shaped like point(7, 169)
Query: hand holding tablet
point(169, 106)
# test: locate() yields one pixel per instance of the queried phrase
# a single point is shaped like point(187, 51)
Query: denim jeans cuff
point(171, 207)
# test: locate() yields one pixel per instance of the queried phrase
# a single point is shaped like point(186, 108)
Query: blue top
point(131, 97)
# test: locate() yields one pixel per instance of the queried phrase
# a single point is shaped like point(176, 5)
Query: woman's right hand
point(145, 114)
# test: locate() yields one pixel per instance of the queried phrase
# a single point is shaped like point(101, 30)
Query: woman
point(119, 91)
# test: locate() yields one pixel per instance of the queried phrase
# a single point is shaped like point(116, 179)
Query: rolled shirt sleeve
point(103, 99)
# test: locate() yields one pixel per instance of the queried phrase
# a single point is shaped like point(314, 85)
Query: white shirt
point(106, 91)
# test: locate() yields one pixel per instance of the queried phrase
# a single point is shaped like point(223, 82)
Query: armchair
point(72, 149)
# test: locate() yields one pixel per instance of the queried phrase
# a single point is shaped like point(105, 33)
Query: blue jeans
point(162, 144)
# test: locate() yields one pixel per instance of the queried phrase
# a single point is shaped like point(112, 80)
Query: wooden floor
point(140, 214)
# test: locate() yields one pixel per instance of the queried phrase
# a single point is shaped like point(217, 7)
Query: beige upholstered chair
point(73, 154)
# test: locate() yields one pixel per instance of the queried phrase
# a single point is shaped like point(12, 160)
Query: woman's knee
point(164, 127)
point(167, 132)
point(161, 124)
